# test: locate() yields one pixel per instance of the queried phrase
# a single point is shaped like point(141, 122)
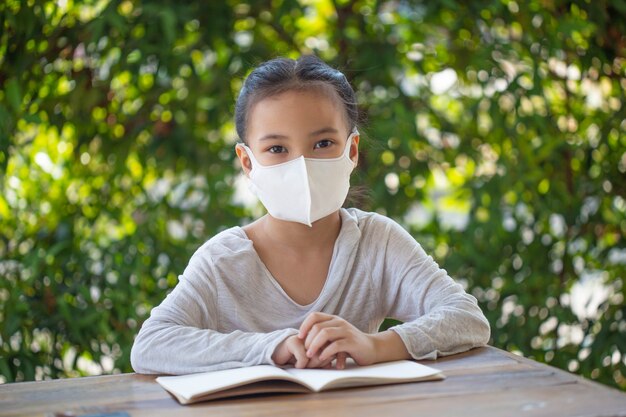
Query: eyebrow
point(274, 136)
point(323, 131)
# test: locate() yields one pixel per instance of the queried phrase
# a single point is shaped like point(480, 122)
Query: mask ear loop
point(250, 155)
point(346, 152)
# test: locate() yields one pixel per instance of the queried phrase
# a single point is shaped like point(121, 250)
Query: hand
point(327, 336)
point(292, 351)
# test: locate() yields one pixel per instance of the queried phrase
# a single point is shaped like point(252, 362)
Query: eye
point(277, 149)
point(325, 143)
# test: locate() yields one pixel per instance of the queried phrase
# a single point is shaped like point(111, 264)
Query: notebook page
point(188, 386)
point(354, 375)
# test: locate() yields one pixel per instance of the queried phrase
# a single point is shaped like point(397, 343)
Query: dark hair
point(281, 74)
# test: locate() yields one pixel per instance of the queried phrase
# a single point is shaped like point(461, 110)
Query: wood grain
point(483, 382)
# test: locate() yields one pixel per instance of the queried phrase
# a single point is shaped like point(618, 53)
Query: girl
point(309, 283)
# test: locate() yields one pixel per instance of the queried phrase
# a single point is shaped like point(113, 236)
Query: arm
point(180, 336)
point(389, 347)
point(440, 317)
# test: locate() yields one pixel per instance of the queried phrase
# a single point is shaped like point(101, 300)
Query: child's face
point(294, 123)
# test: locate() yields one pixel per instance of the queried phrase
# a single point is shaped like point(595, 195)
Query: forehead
point(293, 112)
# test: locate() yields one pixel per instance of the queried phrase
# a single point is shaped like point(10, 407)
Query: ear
point(244, 159)
point(354, 149)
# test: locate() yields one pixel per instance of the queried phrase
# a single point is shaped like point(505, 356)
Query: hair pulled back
point(281, 74)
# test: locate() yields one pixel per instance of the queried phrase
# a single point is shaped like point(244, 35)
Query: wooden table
point(483, 382)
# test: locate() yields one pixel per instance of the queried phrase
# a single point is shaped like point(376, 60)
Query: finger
point(318, 327)
point(315, 362)
point(310, 321)
point(327, 365)
point(301, 359)
point(328, 362)
point(324, 337)
point(334, 348)
point(341, 360)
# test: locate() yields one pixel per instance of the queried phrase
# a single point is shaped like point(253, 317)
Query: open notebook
point(205, 386)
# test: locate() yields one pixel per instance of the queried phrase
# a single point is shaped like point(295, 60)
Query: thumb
point(299, 353)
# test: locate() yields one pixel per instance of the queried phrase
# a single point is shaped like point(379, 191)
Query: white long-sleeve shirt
point(228, 311)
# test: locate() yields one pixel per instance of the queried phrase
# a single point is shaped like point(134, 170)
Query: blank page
point(188, 386)
point(355, 375)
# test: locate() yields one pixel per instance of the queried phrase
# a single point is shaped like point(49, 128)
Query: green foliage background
point(494, 133)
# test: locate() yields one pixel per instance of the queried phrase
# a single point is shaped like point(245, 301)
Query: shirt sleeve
point(439, 317)
point(179, 337)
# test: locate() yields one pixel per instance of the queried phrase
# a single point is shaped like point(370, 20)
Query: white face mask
point(302, 190)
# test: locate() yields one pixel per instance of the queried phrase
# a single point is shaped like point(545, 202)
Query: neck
point(297, 236)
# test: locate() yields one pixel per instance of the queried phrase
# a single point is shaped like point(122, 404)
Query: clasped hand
point(323, 338)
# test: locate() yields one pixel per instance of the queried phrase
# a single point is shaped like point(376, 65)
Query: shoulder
point(384, 238)
point(228, 245)
point(371, 223)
